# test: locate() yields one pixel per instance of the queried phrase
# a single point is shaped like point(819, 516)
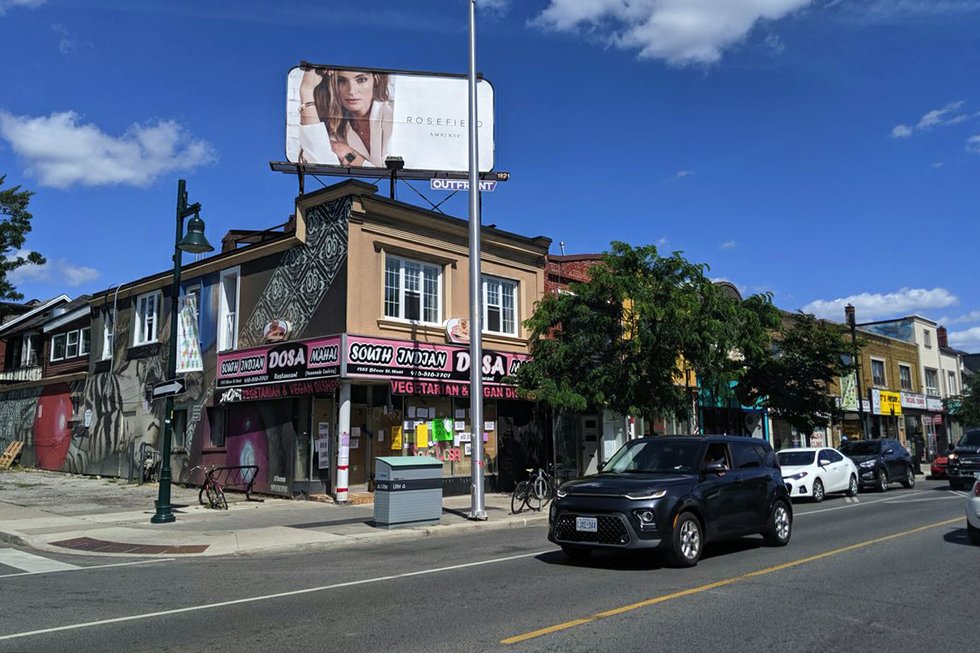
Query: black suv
point(674, 493)
point(880, 462)
point(964, 461)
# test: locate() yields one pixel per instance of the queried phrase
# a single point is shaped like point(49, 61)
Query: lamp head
point(395, 163)
point(194, 241)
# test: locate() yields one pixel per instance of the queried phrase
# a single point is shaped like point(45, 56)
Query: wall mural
point(305, 274)
point(123, 417)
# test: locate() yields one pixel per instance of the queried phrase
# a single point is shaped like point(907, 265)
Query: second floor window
point(71, 344)
point(147, 318)
point(877, 372)
point(951, 383)
point(228, 310)
point(905, 376)
point(932, 382)
point(499, 301)
point(412, 290)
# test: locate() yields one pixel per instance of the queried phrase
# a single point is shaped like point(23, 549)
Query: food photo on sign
point(275, 331)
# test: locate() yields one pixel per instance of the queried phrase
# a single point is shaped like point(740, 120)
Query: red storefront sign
point(283, 362)
point(424, 388)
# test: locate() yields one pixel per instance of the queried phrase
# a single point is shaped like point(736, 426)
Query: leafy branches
point(15, 224)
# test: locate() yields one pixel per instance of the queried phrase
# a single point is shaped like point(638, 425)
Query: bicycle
point(533, 493)
point(211, 489)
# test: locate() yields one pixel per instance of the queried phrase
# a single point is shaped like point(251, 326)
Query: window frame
point(951, 383)
point(402, 290)
point(86, 341)
point(227, 341)
point(905, 367)
point(108, 337)
point(505, 283)
point(140, 320)
point(931, 390)
point(64, 346)
point(884, 373)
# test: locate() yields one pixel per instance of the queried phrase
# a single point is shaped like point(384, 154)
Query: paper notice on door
point(489, 426)
point(355, 431)
point(323, 429)
point(396, 438)
point(355, 443)
point(421, 436)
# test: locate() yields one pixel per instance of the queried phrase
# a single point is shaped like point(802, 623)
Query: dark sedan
point(675, 494)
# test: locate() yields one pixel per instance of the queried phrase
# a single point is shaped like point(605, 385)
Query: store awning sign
point(280, 363)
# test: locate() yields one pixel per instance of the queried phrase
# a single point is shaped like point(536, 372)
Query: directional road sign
point(168, 388)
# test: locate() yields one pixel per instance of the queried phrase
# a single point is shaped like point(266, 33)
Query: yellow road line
point(516, 639)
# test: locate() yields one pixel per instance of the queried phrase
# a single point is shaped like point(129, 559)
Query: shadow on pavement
point(645, 560)
point(958, 536)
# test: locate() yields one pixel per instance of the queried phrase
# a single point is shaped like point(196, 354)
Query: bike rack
point(239, 476)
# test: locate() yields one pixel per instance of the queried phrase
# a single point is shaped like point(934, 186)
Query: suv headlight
point(658, 494)
point(796, 477)
point(561, 494)
point(867, 463)
point(952, 457)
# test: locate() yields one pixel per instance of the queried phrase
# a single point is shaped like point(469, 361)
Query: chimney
point(941, 338)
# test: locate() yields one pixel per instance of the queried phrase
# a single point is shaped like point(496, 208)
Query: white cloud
point(895, 11)
point(873, 306)
point(678, 31)
point(29, 4)
point(663, 242)
point(947, 115)
point(680, 174)
point(58, 271)
point(973, 144)
point(968, 340)
point(62, 151)
point(493, 5)
point(67, 44)
point(728, 244)
point(966, 318)
point(937, 165)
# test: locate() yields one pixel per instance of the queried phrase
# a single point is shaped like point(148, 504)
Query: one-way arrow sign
point(168, 388)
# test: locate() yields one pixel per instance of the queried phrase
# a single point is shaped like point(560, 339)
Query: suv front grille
point(611, 530)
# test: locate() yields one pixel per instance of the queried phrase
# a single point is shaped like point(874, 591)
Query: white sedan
point(814, 473)
point(973, 513)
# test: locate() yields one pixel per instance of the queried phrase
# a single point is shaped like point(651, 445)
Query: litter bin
point(407, 491)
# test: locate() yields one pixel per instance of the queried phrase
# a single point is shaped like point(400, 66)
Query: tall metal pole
point(477, 506)
point(849, 313)
point(164, 513)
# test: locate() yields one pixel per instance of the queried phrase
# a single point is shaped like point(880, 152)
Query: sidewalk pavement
point(91, 515)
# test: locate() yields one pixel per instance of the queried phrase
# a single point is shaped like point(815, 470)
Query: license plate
point(587, 524)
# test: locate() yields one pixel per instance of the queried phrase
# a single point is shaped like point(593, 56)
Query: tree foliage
point(966, 408)
point(791, 379)
point(625, 339)
point(15, 224)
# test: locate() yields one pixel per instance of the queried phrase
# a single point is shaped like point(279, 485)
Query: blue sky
point(824, 150)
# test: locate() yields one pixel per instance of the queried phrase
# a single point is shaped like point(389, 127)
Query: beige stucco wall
point(375, 231)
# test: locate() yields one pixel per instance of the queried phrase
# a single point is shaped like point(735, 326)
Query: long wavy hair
point(331, 109)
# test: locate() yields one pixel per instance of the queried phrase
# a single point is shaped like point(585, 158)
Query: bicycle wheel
point(210, 490)
point(519, 498)
point(219, 495)
point(200, 497)
point(534, 500)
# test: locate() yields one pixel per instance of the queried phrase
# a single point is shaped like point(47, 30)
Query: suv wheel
point(909, 480)
point(780, 525)
point(852, 486)
point(687, 541)
point(882, 483)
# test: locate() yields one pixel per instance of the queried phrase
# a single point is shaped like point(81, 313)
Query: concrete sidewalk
point(64, 513)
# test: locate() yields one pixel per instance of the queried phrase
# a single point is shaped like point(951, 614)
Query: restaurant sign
point(913, 400)
point(423, 388)
point(378, 357)
point(284, 362)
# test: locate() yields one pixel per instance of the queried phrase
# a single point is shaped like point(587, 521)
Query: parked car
point(973, 513)
point(674, 494)
point(937, 469)
point(964, 461)
point(815, 473)
point(880, 462)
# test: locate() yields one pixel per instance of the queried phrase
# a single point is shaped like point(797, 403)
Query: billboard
point(358, 117)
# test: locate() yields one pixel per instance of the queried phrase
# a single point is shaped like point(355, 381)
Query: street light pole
point(477, 506)
point(195, 243)
point(849, 314)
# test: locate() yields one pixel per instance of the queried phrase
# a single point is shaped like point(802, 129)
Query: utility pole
point(851, 322)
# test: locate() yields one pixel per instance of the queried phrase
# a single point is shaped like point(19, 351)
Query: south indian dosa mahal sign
point(353, 356)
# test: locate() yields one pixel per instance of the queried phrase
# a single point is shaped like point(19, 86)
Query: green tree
point(965, 409)
point(625, 339)
point(791, 379)
point(15, 224)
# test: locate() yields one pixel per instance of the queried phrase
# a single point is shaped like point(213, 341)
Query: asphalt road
point(893, 571)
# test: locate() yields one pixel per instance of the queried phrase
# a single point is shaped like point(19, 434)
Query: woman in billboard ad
point(345, 117)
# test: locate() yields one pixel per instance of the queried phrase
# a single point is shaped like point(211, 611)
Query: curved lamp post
point(193, 242)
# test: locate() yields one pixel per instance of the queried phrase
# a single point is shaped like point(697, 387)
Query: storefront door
point(323, 429)
point(590, 445)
